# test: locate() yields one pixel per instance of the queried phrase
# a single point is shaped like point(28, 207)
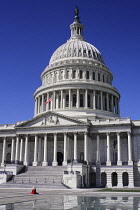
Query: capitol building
point(76, 125)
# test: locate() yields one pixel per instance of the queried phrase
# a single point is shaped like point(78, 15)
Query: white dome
point(76, 48)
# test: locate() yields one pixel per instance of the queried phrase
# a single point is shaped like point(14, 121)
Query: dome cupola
point(76, 46)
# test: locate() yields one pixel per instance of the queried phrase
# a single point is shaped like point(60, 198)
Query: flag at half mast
point(49, 100)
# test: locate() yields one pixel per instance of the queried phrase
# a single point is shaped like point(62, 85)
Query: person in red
point(33, 191)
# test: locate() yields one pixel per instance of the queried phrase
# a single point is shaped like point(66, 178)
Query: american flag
point(49, 100)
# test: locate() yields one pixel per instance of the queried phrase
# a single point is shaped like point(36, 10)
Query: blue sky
point(31, 30)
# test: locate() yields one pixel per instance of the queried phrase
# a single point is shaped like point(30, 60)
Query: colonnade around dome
point(77, 99)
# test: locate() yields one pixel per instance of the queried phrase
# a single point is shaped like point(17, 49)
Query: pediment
point(50, 119)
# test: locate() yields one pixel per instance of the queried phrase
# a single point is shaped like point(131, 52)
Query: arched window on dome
point(84, 52)
point(81, 74)
point(81, 100)
point(89, 100)
point(87, 74)
point(94, 54)
point(67, 100)
point(67, 74)
point(74, 74)
point(61, 75)
point(89, 53)
point(93, 75)
point(74, 100)
point(54, 77)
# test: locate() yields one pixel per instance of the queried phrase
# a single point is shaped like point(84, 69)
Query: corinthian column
point(45, 163)
point(98, 150)
point(108, 162)
point(86, 94)
point(65, 150)
point(4, 152)
point(35, 163)
point(130, 162)
point(119, 162)
point(55, 163)
point(85, 147)
point(13, 150)
point(17, 149)
point(75, 147)
point(21, 151)
point(26, 151)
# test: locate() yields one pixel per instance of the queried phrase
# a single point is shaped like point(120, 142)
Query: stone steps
point(49, 176)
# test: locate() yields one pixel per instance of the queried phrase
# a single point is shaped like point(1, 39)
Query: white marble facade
point(81, 123)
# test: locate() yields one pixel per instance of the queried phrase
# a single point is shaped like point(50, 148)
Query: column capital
point(118, 133)
point(128, 132)
point(108, 133)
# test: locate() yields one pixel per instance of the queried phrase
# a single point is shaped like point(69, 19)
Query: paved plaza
point(17, 195)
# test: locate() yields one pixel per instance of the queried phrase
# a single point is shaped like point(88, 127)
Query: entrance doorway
point(59, 158)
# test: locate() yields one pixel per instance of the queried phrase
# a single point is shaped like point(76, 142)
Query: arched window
point(67, 101)
point(87, 74)
point(93, 75)
point(74, 100)
point(88, 100)
point(81, 74)
point(74, 74)
point(81, 100)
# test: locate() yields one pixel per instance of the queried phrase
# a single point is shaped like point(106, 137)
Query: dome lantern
point(77, 27)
